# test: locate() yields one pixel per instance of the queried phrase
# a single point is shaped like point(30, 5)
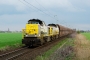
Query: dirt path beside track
point(82, 48)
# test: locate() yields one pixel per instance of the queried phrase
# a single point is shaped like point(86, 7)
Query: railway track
point(40, 50)
point(18, 54)
point(13, 54)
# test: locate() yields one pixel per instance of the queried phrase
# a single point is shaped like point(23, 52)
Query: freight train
point(36, 32)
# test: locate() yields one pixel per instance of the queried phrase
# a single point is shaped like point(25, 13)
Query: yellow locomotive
point(55, 31)
point(36, 33)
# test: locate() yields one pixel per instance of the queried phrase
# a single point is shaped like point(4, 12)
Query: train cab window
point(54, 25)
point(33, 22)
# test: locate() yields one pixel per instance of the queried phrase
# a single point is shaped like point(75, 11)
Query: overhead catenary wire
point(38, 9)
point(44, 8)
point(24, 3)
point(49, 12)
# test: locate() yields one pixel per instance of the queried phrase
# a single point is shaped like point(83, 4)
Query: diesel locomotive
point(36, 32)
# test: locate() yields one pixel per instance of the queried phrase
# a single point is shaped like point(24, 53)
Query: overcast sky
point(14, 14)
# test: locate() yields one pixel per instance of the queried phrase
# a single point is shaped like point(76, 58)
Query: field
point(82, 46)
point(87, 35)
point(10, 39)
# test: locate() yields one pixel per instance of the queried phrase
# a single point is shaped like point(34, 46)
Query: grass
point(87, 35)
point(71, 55)
point(46, 55)
point(10, 39)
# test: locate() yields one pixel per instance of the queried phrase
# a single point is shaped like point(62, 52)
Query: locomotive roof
point(52, 25)
point(36, 20)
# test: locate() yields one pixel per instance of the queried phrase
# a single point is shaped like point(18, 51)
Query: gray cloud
point(70, 13)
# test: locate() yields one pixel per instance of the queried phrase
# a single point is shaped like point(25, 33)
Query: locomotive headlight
point(35, 35)
point(26, 35)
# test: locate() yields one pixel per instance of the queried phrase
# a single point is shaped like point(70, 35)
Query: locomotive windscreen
point(35, 21)
point(52, 25)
